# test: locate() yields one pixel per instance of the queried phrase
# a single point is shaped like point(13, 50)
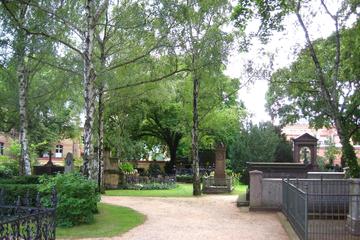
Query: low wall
point(266, 193)
point(326, 175)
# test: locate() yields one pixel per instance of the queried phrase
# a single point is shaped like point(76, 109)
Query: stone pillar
point(353, 219)
point(313, 149)
point(296, 153)
point(255, 188)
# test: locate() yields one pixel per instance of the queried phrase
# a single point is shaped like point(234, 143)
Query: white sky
point(284, 46)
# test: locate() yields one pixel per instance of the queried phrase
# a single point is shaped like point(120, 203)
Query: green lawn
point(110, 221)
point(182, 190)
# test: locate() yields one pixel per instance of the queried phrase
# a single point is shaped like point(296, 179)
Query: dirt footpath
point(208, 217)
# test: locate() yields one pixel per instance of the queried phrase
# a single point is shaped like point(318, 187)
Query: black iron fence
point(21, 221)
point(322, 209)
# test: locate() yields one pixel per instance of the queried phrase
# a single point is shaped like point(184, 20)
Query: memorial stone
point(69, 163)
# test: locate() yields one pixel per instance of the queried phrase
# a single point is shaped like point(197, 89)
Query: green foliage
point(331, 151)
point(321, 162)
point(126, 167)
point(14, 190)
point(325, 93)
point(257, 143)
point(154, 169)
point(184, 178)
point(8, 167)
point(77, 198)
point(31, 179)
point(283, 152)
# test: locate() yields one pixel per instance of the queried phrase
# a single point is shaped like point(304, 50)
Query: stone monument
point(219, 183)
point(220, 164)
point(69, 163)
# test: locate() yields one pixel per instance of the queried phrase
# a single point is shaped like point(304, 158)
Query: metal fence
point(320, 209)
point(21, 221)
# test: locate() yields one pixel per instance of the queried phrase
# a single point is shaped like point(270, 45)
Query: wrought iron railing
point(21, 221)
point(295, 208)
point(322, 209)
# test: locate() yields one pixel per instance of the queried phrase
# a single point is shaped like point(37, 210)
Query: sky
point(284, 47)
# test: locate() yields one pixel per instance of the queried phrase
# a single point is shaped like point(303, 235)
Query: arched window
point(59, 151)
point(1, 148)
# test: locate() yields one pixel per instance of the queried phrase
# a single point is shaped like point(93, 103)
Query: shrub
point(20, 180)
point(184, 178)
point(154, 169)
point(77, 198)
point(8, 167)
point(13, 191)
point(126, 167)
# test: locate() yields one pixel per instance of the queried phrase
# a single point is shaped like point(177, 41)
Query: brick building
point(59, 149)
point(323, 135)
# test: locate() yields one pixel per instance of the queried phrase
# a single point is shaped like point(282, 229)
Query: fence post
point(353, 218)
point(306, 226)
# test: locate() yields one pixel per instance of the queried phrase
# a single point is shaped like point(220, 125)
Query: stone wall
point(266, 193)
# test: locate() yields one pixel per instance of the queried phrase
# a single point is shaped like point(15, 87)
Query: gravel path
point(208, 217)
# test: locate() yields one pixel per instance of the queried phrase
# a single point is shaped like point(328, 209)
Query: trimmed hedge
point(12, 191)
point(184, 178)
point(20, 180)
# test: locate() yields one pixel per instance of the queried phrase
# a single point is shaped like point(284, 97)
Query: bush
point(20, 180)
point(13, 191)
point(126, 168)
point(184, 178)
point(77, 198)
point(8, 167)
point(154, 169)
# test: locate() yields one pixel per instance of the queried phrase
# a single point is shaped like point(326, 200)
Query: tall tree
point(324, 92)
point(17, 17)
point(204, 46)
point(329, 95)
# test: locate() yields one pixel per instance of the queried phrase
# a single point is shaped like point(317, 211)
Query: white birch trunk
point(23, 77)
point(89, 168)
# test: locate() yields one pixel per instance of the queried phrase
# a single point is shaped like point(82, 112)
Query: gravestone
point(220, 164)
point(69, 163)
point(219, 183)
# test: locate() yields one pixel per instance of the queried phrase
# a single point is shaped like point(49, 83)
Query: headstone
point(69, 163)
point(220, 164)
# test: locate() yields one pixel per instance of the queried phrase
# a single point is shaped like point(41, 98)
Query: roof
point(305, 137)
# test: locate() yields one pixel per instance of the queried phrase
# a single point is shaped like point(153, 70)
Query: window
point(59, 151)
point(1, 148)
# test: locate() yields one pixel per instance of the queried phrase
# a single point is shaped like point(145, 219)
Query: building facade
point(58, 151)
point(324, 136)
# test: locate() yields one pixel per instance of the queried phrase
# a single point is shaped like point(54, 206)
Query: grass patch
point(181, 190)
point(110, 221)
point(239, 189)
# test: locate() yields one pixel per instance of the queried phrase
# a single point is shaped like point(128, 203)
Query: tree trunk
point(100, 152)
point(348, 156)
point(90, 168)
point(23, 76)
point(173, 145)
point(194, 139)
point(23, 80)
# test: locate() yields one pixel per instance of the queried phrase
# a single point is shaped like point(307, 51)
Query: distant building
point(59, 149)
point(323, 135)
